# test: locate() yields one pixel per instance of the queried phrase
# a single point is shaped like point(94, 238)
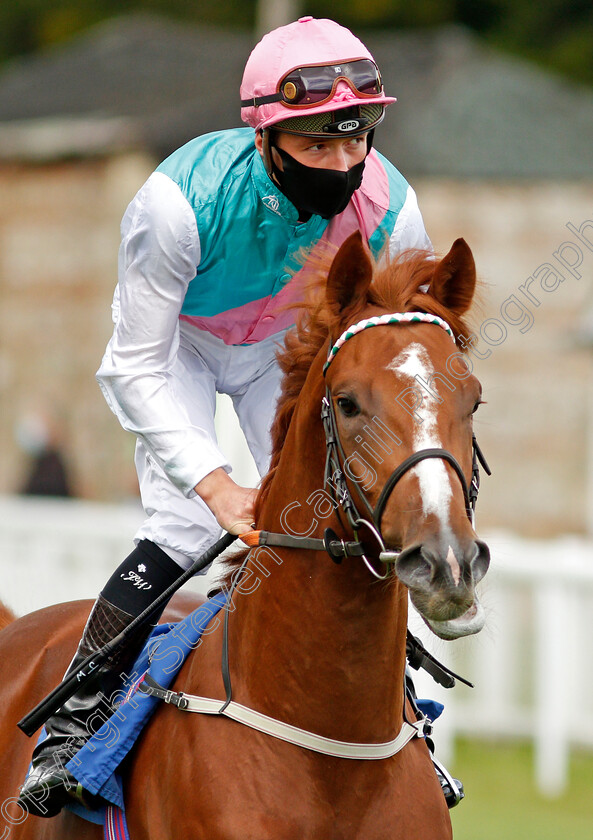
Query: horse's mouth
point(467, 624)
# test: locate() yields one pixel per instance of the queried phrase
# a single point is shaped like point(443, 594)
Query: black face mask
point(323, 192)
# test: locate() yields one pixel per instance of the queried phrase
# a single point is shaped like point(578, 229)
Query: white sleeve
point(159, 253)
point(409, 230)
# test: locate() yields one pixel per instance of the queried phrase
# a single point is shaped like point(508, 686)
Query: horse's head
point(403, 396)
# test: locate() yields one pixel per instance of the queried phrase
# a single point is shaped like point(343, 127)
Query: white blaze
point(435, 486)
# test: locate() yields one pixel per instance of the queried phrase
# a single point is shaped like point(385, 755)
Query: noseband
point(335, 480)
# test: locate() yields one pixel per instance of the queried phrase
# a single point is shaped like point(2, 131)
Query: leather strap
point(418, 657)
point(254, 101)
point(408, 464)
point(284, 731)
point(334, 547)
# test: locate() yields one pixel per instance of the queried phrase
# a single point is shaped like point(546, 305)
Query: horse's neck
point(319, 645)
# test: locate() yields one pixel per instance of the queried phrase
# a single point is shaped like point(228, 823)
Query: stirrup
point(452, 788)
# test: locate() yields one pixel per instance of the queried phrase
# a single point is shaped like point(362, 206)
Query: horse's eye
point(477, 405)
point(347, 406)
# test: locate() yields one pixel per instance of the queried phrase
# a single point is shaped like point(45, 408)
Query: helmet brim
point(352, 121)
point(325, 108)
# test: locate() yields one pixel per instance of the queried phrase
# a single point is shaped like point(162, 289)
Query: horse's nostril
point(481, 561)
point(419, 567)
point(414, 569)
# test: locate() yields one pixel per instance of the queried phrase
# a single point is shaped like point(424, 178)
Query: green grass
point(502, 802)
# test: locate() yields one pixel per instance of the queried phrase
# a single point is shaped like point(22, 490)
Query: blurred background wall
point(497, 148)
point(493, 127)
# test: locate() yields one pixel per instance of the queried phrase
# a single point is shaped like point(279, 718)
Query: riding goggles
point(316, 84)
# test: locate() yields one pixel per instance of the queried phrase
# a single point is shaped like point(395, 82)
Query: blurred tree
point(556, 33)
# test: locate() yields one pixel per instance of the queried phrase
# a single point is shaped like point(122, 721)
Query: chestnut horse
point(314, 641)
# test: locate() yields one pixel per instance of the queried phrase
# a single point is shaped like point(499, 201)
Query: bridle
point(338, 487)
point(337, 549)
point(335, 479)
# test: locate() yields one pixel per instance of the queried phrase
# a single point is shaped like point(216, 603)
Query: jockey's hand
point(231, 505)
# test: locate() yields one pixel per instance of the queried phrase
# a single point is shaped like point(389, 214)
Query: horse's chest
point(241, 785)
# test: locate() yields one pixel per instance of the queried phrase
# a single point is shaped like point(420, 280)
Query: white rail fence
point(532, 664)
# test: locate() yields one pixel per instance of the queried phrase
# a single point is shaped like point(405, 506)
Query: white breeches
point(184, 527)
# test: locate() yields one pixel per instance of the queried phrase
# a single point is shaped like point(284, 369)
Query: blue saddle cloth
point(95, 765)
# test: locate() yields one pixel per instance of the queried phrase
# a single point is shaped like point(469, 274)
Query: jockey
point(210, 257)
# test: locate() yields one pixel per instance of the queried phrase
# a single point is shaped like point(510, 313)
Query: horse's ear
point(350, 275)
point(454, 280)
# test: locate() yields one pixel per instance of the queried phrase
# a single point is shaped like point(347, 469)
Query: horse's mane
point(398, 285)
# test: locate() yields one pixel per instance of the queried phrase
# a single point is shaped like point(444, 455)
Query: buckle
point(176, 699)
point(334, 546)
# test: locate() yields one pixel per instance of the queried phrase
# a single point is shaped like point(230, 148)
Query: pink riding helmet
point(304, 43)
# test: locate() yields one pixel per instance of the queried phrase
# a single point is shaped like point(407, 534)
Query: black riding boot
point(140, 579)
